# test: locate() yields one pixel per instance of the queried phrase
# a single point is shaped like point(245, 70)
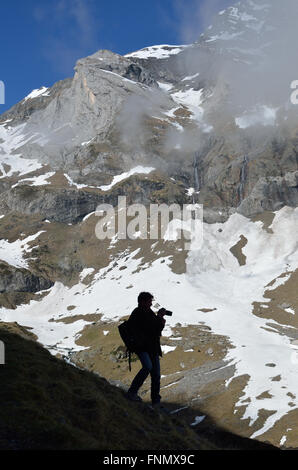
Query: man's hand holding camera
point(162, 312)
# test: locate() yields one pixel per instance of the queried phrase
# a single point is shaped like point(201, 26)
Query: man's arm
point(160, 316)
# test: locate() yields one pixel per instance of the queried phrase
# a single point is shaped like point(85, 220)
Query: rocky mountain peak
point(236, 22)
point(114, 63)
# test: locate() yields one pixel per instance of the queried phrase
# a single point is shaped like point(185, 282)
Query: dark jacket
point(148, 327)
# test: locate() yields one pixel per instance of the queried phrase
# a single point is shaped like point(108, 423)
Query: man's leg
point(155, 379)
point(142, 374)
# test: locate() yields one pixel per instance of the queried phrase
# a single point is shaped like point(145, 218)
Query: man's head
point(145, 299)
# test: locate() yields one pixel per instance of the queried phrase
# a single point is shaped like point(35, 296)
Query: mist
point(259, 65)
point(246, 60)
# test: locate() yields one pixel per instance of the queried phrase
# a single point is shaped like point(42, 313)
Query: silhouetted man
point(148, 326)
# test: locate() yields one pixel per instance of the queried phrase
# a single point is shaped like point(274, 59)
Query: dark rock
point(21, 280)
point(22, 111)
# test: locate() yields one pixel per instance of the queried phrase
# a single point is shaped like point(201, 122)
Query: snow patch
point(87, 216)
point(166, 349)
point(37, 92)
point(192, 77)
point(171, 112)
point(13, 253)
point(198, 420)
point(192, 99)
point(11, 138)
point(224, 36)
point(125, 175)
point(165, 86)
point(86, 272)
point(213, 276)
point(40, 180)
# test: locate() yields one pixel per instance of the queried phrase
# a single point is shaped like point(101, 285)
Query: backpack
point(129, 338)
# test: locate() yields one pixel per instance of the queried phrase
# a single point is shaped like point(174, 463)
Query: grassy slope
point(49, 404)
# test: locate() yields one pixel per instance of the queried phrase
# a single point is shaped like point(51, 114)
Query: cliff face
point(21, 280)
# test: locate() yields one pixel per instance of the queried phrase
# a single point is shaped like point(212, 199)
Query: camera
point(165, 312)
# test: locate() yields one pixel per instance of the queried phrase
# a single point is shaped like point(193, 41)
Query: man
point(148, 326)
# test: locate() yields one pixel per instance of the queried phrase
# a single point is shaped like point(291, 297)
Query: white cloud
point(196, 17)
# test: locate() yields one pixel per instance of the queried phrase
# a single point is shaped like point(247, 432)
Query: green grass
point(49, 404)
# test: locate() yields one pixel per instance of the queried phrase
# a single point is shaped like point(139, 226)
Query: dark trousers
point(150, 365)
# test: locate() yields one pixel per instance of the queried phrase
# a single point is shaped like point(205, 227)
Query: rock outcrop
point(20, 280)
point(271, 194)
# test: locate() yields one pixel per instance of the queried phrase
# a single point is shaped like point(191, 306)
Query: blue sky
point(41, 40)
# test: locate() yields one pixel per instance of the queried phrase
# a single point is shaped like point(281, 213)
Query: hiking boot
point(133, 396)
point(159, 406)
